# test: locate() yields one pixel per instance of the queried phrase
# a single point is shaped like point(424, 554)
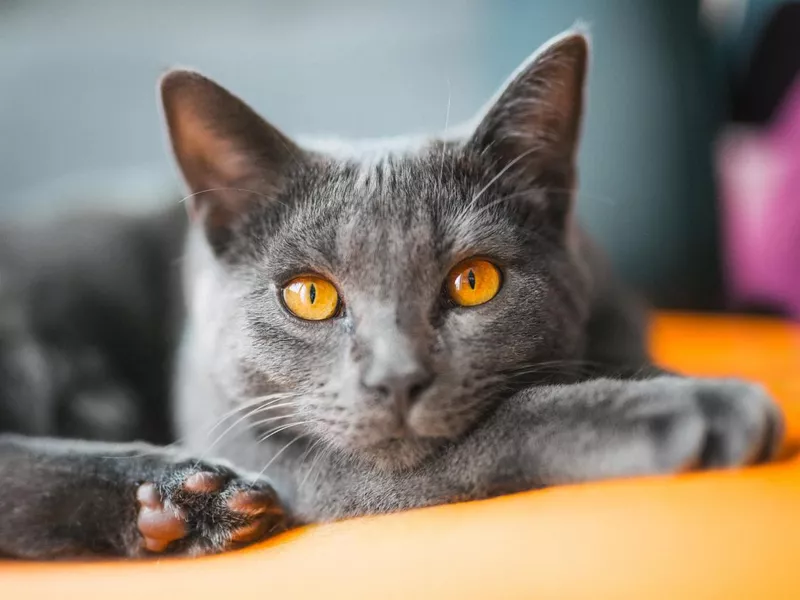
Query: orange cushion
point(725, 535)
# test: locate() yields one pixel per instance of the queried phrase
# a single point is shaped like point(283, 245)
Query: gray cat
point(379, 327)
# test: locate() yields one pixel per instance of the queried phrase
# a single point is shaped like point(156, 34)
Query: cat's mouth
point(394, 437)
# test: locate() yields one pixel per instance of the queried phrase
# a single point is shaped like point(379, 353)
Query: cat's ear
point(531, 128)
point(231, 159)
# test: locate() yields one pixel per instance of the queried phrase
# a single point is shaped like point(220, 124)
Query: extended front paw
point(203, 509)
point(605, 428)
point(704, 423)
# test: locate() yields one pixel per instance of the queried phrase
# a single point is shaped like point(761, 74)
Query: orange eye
point(311, 298)
point(473, 281)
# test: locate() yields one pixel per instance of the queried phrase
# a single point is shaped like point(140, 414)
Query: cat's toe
point(260, 507)
point(204, 509)
point(158, 524)
point(203, 482)
point(744, 426)
point(695, 424)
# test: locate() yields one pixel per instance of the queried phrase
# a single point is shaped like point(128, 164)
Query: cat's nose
point(402, 387)
point(392, 357)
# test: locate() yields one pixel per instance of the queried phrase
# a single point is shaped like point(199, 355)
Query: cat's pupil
point(471, 279)
point(312, 293)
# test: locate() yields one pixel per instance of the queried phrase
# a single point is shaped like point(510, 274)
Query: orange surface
point(724, 535)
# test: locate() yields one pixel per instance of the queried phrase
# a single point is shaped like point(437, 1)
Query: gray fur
point(405, 400)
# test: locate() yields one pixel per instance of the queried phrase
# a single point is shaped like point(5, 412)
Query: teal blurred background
point(79, 123)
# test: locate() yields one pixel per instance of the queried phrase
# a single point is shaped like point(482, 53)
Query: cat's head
point(394, 294)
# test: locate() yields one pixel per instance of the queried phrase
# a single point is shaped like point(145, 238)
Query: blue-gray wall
point(78, 117)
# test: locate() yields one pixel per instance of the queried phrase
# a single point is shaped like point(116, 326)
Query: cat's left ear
point(531, 130)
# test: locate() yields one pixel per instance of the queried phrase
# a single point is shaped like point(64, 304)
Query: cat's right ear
point(531, 129)
point(232, 160)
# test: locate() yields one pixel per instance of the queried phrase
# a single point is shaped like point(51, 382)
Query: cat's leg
point(608, 428)
point(63, 499)
point(589, 431)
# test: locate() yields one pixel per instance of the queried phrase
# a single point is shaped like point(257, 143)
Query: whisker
point(444, 137)
point(327, 451)
point(502, 172)
point(263, 409)
point(258, 401)
point(256, 405)
point(570, 363)
point(232, 189)
point(313, 462)
point(255, 424)
point(258, 409)
point(282, 428)
point(310, 449)
point(253, 411)
point(497, 201)
point(278, 453)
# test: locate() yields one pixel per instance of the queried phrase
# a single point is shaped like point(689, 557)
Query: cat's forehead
point(388, 201)
point(379, 215)
point(402, 210)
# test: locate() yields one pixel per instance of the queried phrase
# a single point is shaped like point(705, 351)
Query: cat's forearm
point(64, 499)
point(549, 435)
point(61, 498)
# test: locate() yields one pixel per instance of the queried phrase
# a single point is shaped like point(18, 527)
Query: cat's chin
point(399, 454)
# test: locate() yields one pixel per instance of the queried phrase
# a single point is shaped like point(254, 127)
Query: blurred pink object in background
point(759, 182)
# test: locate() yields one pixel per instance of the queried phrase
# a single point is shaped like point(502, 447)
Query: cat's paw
point(202, 509)
point(706, 423)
